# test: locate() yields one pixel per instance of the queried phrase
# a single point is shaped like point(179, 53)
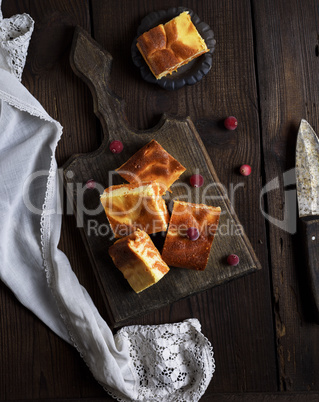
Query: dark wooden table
point(266, 73)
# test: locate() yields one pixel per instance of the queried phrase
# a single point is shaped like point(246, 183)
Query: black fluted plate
point(188, 74)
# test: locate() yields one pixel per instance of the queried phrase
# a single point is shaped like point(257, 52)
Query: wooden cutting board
point(180, 138)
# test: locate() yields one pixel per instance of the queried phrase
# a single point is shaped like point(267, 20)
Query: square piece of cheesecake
point(152, 163)
point(167, 47)
point(135, 206)
point(179, 250)
point(139, 260)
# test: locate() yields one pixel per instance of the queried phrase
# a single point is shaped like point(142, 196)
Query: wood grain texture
point(94, 65)
point(262, 397)
point(239, 314)
point(218, 397)
point(261, 326)
point(287, 64)
point(35, 363)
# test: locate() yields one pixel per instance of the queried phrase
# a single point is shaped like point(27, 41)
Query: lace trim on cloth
point(174, 362)
point(170, 362)
point(15, 35)
point(48, 199)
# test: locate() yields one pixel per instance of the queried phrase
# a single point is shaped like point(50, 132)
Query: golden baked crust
point(167, 47)
point(152, 163)
point(139, 260)
point(179, 250)
point(135, 206)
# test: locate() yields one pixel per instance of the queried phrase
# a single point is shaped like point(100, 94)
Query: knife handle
point(309, 228)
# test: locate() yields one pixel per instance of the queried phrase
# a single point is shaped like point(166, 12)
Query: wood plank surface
point(93, 64)
point(288, 72)
point(265, 72)
point(236, 318)
point(243, 306)
point(217, 397)
point(34, 362)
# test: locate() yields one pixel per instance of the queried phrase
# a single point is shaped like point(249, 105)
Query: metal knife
point(307, 183)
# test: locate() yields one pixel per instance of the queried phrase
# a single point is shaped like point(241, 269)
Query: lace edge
point(23, 39)
point(149, 327)
point(205, 345)
point(25, 107)
point(44, 229)
point(44, 225)
point(210, 359)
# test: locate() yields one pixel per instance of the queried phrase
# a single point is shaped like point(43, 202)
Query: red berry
point(231, 123)
point(245, 170)
point(90, 184)
point(192, 233)
point(233, 259)
point(197, 180)
point(116, 147)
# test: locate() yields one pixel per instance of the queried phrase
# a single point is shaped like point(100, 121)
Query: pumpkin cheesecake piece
point(139, 260)
point(187, 218)
point(167, 47)
point(135, 206)
point(152, 163)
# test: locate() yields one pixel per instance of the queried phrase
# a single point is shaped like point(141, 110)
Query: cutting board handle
point(92, 64)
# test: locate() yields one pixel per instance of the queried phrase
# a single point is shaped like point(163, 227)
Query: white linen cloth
point(169, 362)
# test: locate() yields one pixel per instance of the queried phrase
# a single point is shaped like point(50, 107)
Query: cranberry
point(233, 259)
point(245, 170)
point(192, 233)
point(196, 180)
point(116, 147)
point(90, 184)
point(231, 123)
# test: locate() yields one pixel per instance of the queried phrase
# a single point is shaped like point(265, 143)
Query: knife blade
point(307, 184)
